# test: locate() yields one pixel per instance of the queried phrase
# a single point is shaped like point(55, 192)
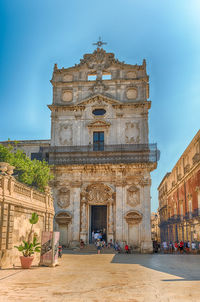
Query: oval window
point(99, 111)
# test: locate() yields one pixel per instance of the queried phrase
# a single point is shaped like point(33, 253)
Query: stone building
point(100, 150)
point(17, 203)
point(155, 226)
point(179, 197)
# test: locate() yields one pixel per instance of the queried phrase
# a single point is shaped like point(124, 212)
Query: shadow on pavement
point(183, 266)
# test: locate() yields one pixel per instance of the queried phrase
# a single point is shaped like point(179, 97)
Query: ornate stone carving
point(63, 218)
point(64, 198)
point(67, 96)
point(133, 217)
point(99, 124)
point(65, 134)
point(132, 133)
point(145, 182)
point(83, 218)
point(133, 196)
point(99, 59)
point(97, 194)
point(99, 87)
point(131, 93)
point(68, 78)
point(131, 75)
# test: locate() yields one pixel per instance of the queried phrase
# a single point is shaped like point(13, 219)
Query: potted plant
point(28, 248)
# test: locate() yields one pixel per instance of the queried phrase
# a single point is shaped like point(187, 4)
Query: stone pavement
point(107, 277)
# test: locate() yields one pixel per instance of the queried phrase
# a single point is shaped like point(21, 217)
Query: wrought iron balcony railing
point(127, 153)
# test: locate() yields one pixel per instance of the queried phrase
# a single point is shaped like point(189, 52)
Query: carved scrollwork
point(132, 133)
point(99, 59)
point(133, 195)
point(97, 194)
point(133, 217)
point(63, 198)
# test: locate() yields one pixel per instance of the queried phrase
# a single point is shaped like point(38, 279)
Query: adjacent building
point(179, 197)
point(155, 227)
point(100, 151)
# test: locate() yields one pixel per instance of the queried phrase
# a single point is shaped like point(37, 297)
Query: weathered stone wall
point(17, 203)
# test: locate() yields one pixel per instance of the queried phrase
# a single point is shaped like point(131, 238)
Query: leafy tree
point(31, 172)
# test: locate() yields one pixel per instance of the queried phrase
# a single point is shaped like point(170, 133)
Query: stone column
point(76, 214)
point(146, 242)
point(110, 221)
point(83, 234)
point(119, 212)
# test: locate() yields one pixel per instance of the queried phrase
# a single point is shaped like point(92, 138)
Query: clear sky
point(36, 34)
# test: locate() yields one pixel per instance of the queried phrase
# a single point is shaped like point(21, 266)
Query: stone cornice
point(77, 107)
point(70, 84)
point(108, 167)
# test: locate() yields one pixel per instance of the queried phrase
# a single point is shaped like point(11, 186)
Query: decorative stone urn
point(10, 170)
point(3, 167)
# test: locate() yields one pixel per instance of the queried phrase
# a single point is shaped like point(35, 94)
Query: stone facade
point(155, 227)
point(179, 197)
point(17, 203)
point(100, 150)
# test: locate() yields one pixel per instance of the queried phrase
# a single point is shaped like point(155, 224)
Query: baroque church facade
point(100, 151)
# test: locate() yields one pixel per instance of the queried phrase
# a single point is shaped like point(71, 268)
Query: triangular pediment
point(99, 99)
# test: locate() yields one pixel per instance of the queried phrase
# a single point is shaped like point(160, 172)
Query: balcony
point(187, 168)
point(115, 154)
point(196, 158)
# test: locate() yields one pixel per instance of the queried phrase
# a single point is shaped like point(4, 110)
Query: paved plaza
point(106, 277)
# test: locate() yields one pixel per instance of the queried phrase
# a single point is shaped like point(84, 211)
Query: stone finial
point(144, 63)
point(55, 67)
point(6, 169)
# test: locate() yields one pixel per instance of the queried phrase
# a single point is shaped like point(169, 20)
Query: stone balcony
point(115, 154)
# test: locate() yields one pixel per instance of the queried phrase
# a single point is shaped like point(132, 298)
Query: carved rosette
point(133, 217)
point(63, 198)
point(133, 196)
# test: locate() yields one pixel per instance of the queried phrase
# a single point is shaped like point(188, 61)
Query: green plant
point(31, 172)
point(28, 248)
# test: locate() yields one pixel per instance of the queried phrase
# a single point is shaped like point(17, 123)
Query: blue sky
point(36, 34)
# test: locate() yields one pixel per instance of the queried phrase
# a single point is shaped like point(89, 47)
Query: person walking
point(98, 245)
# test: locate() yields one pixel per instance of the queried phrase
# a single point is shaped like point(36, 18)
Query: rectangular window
point(37, 156)
point(106, 76)
point(92, 77)
point(98, 141)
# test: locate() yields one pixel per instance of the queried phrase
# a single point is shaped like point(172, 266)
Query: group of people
point(99, 239)
point(176, 247)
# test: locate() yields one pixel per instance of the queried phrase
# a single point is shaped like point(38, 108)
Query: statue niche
point(64, 198)
point(133, 196)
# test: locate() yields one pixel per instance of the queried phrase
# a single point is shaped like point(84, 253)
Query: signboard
point(49, 248)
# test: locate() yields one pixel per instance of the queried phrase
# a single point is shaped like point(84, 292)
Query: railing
point(107, 148)
point(127, 153)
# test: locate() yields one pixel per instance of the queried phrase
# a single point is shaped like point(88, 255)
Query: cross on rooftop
point(99, 43)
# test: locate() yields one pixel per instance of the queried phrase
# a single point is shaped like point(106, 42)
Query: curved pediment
point(133, 217)
point(63, 218)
